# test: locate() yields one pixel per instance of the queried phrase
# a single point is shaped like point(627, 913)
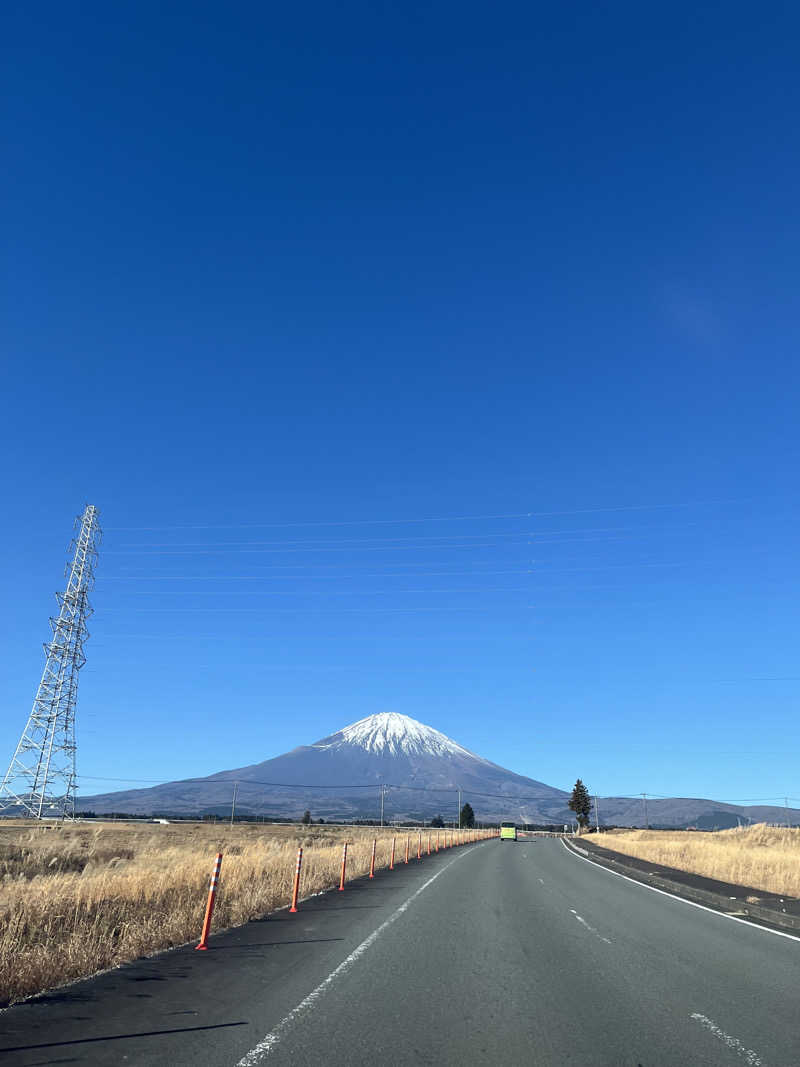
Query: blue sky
point(437, 359)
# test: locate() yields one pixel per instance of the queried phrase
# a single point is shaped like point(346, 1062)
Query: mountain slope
point(342, 774)
point(340, 777)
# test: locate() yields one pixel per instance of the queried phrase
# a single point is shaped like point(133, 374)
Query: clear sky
point(431, 358)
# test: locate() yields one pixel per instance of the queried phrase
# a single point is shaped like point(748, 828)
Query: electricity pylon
point(41, 778)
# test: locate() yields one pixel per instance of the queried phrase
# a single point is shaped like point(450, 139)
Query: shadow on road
point(271, 944)
point(120, 1037)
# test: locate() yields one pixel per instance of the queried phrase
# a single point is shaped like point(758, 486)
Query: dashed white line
point(269, 1041)
point(591, 929)
point(747, 1054)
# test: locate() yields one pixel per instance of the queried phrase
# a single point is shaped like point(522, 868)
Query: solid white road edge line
point(683, 900)
point(747, 1054)
point(269, 1041)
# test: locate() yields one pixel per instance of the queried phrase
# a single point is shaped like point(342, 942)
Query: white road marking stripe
point(588, 927)
point(683, 900)
point(269, 1041)
point(748, 1055)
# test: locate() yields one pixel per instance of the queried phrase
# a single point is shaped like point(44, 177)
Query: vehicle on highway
point(508, 831)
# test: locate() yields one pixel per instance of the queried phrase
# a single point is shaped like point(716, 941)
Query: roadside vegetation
point(761, 856)
point(80, 898)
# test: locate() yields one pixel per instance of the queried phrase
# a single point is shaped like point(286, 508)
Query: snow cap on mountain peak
point(389, 731)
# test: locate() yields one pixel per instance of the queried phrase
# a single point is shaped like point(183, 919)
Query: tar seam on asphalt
point(683, 900)
point(269, 1041)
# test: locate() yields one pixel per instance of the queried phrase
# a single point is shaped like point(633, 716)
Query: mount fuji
point(422, 770)
point(340, 776)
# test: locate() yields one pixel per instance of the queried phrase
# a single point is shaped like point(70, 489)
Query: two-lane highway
point(500, 953)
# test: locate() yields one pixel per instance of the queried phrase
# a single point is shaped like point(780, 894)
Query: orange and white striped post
point(372, 861)
point(408, 838)
point(212, 893)
point(419, 847)
point(344, 867)
point(429, 844)
point(391, 861)
point(296, 887)
point(437, 840)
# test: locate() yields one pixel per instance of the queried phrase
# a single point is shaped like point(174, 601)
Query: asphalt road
point(496, 953)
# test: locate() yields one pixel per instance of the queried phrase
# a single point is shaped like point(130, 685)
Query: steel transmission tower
point(41, 778)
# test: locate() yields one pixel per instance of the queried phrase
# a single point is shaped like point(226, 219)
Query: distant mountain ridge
point(422, 770)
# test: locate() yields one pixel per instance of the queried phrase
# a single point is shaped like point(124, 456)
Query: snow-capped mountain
point(421, 771)
point(395, 734)
point(341, 775)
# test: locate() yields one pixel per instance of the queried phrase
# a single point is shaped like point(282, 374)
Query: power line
point(417, 789)
point(315, 609)
point(282, 577)
point(323, 592)
point(446, 518)
point(328, 540)
point(284, 551)
point(335, 522)
point(387, 540)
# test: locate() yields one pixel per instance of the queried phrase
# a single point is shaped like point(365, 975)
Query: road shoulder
point(782, 913)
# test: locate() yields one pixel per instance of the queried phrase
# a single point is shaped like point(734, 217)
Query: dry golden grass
point(764, 857)
point(84, 897)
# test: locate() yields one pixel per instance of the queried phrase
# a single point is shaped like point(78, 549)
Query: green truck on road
point(508, 831)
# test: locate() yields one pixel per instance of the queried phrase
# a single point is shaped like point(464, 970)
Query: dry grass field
point(82, 897)
point(765, 857)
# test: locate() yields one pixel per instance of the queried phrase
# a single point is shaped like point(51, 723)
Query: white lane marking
point(683, 900)
point(747, 1054)
point(269, 1041)
point(591, 929)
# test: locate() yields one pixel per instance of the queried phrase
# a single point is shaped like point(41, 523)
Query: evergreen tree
point(581, 803)
point(306, 818)
point(467, 817)
point(437, 821)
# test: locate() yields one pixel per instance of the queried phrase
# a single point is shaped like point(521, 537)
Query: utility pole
point(596, 814)
point(383, 792)
point(233, 805)
point(459, 807)
point(646, 821)
point(41, 780)
point(786, 803)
